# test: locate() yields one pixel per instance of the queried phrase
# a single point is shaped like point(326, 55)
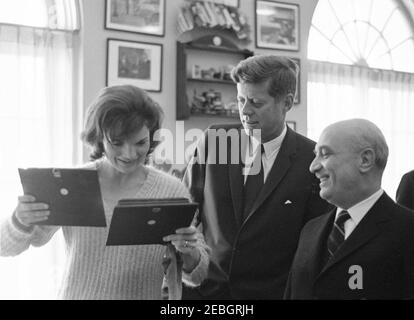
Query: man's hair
point(116, 113)
point(280, 72)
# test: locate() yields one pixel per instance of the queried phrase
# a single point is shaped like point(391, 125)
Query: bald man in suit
point(364, 248)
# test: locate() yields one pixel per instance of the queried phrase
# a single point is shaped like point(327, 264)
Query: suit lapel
point(367, 229)
point(316, 243)
point(279, 169)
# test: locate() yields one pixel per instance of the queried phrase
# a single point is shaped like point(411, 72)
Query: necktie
point(337, 235)
point(254, 184)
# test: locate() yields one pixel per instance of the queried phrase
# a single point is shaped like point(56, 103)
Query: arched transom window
point(370, 33)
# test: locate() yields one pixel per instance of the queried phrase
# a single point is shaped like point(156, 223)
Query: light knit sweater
point(95, 271)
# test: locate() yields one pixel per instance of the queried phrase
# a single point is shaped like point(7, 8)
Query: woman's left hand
point(186, 241)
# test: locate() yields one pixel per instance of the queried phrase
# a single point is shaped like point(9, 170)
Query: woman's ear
point(367, 159)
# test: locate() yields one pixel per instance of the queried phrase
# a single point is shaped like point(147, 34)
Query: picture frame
point(291, 124)
point(135, 63)
point(297, 97)
point(138, 16)
point(277, 25)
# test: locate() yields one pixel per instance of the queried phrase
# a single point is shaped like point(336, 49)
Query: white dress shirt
point(271, 150)
point(358, 211)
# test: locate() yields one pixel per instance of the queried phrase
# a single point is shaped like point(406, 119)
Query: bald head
point(350, 158)
point(358, 134)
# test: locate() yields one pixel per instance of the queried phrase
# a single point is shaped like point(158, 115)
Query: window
point(40, 121)
point(361, 67)
point(367, 33)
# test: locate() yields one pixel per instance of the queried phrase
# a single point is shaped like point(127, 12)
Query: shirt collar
point(358, 211)
point(271, 146)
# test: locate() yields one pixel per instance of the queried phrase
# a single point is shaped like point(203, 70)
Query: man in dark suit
point(405, 191)
point(364, 248)
point(252, 212)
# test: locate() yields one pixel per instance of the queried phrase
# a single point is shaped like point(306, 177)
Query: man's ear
point(367, 159)
point(288, 102)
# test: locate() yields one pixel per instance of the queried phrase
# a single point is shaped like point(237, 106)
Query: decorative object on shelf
point(297, 97)
point(209, 102)
point(204, 85)
point(212, 14)
point(221, 73)
point(136, 63)
point(291, 124)
point(141, 16)
point(277, 25)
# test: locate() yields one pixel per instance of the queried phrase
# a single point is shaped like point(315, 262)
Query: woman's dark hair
point(116, 113)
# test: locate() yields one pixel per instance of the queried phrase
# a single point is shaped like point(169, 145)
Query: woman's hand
point(187, 241)
point(28, 211)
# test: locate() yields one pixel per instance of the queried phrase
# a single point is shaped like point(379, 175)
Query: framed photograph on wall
point(136, 63)
point(277, 25)
point(141, 16)
point(297, 97)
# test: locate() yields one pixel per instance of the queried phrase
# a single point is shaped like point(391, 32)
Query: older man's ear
point(367, 159)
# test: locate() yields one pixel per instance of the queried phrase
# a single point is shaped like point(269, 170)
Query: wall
point(94, 38)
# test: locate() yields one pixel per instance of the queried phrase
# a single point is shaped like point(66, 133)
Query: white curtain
point(39, 128)
point(338, 92)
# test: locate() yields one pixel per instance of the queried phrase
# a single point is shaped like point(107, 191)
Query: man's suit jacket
point(382, 244)
point(251, 258)
point(405, 191)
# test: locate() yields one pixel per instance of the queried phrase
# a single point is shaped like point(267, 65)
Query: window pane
point(379, 56)
point(342, 43)
point(362, 9)
point(403, 57)
point(363, 31)
point(24, 12)
point(317, 45)
point(352, 38)
point(343, 10)
point(334, 55)
point(397, 29)
point(381, 11)
point(324, 19)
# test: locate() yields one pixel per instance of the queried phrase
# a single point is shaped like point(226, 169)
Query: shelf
point(210, 115)
point(217, 49)
point(211, 81)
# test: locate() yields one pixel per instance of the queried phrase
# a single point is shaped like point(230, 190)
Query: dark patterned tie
point(254, 184)
point(337, 235)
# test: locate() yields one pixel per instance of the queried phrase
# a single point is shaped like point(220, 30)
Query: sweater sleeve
point(199, 273)
point(14, 240)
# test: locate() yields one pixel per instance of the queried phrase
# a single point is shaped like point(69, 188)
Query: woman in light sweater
point(120, 126)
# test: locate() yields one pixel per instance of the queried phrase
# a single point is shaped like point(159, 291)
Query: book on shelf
point(188, 17)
